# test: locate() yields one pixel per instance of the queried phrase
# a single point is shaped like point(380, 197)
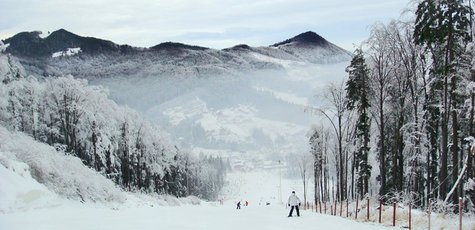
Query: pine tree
point(357, 89)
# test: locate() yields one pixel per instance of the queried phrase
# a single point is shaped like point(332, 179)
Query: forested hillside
point(80, 120)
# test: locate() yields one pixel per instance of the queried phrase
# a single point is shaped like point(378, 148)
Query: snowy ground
point(54, 204)
point(144, 212)
point(206, 216)
point(25, 204)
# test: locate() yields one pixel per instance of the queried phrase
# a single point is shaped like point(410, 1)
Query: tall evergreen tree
point(357, 89)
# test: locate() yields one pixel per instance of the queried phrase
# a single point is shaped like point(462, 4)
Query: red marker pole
point(367, 210)
point(460, 212)
point(430, 211)
point(347, 208)
point(394, 214)
point(380, 209)
point(335, 209)
point(356, 211)
point(341, 208)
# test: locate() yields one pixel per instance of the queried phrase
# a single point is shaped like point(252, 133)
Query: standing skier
point(294, 202)
point(238, 205)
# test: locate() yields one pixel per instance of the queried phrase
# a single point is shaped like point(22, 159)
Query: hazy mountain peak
point(63, 31)
point(239, 47)
point(63, 34)
point(307, 38)
point(175, 46)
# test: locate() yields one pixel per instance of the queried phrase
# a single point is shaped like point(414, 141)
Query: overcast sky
point(210, 23)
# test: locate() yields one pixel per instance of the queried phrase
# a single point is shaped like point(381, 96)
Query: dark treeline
point(402, 125)
point(80, 120)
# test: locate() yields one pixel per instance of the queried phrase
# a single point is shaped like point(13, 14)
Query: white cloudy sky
point(210, 23)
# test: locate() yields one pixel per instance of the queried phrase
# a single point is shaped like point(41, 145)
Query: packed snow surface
point(206, 217)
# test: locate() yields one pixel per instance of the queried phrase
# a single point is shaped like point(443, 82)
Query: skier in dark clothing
point(238, 205)
point(294, 202)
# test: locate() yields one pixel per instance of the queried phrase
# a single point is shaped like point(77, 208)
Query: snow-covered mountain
point(313, 48)
point(63, 52)
point(239, 99)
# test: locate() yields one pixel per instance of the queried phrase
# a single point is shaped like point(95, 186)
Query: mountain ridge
point(63, 52)
point(238, 99)
point(62, 39)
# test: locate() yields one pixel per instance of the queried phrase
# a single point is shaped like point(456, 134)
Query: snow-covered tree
point(357, 94)
point(443, 27)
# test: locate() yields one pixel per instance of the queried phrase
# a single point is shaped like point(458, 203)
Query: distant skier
point(238, 205)
point(294, 202)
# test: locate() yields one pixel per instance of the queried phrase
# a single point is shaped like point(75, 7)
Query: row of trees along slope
point(80, 120)
point(407, 106)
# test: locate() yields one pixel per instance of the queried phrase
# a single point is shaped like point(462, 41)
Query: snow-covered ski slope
point(259, 187)
point(26, 204)
point(206, 217)
point(55, 204)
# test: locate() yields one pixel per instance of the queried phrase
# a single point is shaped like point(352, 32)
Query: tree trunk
point(444, 146)
point(470, 169)
point(382, 151)
point(353, 177)
point(315, 179)
point(341, 191)
point(454, 147)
